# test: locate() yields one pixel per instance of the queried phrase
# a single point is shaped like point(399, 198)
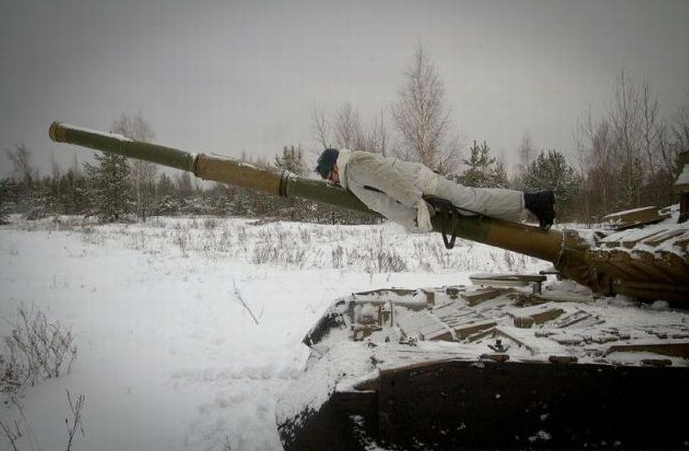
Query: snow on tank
point(399, 346)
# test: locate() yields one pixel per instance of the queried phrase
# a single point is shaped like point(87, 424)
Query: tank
point(651, 263)
point(500, 363)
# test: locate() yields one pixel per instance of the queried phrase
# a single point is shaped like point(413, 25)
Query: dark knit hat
point(326, 161)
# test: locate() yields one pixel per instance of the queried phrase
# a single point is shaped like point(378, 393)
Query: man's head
point(327, 165)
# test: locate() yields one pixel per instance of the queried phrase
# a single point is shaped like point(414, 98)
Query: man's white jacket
point(393, 187)
point(387, 185)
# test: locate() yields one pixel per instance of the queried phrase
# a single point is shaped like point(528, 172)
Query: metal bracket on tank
point(452, 218)
point(448, 216)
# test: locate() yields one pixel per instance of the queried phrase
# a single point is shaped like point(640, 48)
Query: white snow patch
point(168, 358)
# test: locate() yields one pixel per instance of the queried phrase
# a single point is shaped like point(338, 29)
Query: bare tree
point(680, 127)
point(21, 162)
point(54, 181)
point(320, 127)
point(649, 127)
point(627, 157)
point(624, 117)
point(347, 128)
point(184, 186)
point(143, 173)
point(595, 142)
point(526, 152)
point(376, 140)
point(24, 193)
point(134, 127)
point(423, 119)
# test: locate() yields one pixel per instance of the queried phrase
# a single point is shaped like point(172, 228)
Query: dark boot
point(541, 205)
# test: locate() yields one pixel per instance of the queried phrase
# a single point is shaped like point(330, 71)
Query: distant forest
point(628, 158)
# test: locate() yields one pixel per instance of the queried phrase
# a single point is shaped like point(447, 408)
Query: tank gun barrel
point(208, 167)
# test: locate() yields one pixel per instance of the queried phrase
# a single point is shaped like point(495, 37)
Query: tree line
point(627, 158)
point(116, 188)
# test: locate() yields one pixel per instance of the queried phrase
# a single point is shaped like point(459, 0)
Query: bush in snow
point(36, 349)
point(383, 258)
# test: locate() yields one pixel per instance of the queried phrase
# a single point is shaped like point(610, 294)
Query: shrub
point(36, 349)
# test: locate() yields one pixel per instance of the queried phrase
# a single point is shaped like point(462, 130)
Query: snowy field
point(188, 329)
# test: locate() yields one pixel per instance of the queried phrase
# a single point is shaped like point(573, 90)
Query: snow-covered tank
point(493, 365)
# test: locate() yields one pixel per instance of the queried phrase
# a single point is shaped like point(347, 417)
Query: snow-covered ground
point(169, 354)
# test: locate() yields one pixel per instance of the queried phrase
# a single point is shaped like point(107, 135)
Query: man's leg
point(498, 203)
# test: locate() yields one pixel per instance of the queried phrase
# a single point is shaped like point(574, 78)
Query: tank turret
point(651, 262)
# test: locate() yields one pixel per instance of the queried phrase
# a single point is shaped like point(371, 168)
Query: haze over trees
point(626, 157)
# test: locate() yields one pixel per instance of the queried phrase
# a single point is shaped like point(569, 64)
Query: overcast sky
point(230, 76)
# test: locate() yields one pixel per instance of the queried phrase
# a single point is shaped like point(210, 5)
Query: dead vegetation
point(36, 350)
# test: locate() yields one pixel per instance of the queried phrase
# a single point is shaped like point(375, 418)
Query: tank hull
point(454, 405)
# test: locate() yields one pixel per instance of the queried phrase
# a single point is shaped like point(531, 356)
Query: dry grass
point(373, 249)
point(36, 350)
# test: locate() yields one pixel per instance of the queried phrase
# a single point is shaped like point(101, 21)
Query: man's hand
point(423, 216)
point(438, 204)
